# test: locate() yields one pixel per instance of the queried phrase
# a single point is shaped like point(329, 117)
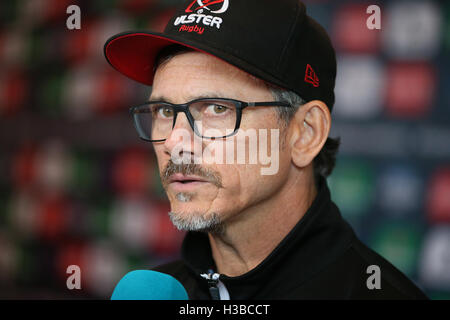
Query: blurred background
point(77, 186)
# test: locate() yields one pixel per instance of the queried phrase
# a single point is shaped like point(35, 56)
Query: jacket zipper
point(213, 279)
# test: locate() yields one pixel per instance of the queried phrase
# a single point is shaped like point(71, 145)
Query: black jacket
point(320, 258)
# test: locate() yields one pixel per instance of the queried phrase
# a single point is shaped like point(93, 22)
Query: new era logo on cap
point(311, 76)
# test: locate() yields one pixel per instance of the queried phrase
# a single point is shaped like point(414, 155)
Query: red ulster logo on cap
point(205, 5)
point(311, 76)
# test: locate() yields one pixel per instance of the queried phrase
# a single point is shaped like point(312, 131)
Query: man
point(222, 71)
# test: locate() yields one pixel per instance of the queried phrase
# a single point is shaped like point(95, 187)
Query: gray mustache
point(190, 169)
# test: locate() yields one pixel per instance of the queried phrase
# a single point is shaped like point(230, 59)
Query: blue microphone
point(149, 285)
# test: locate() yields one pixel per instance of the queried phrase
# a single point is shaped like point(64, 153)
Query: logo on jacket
point(205, 4)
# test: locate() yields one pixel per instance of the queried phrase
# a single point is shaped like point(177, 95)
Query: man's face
point(203, 195)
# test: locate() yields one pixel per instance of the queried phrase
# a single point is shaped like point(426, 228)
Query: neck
point(249, 239)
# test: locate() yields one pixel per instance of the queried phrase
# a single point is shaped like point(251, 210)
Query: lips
point(180, 178)
point(181, 183)
point(189, 176)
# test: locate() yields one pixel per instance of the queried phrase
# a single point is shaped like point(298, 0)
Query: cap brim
point(133, 53)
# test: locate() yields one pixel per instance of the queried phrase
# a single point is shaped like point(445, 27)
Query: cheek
point(258, 186)
point(255, 186)
point(233, 195)
point(161, 158)
point(241, 185)
point(259, 118)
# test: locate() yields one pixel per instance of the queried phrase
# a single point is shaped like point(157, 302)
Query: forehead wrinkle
point(226, 80)
point(194, 69)
point(190, 97)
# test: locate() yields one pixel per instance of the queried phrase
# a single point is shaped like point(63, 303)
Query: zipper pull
point(213, 279)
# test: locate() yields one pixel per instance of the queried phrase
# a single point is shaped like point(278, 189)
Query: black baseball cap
point(272, 40)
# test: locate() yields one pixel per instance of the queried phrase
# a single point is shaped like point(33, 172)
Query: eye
point(165, 112)
point(215, 109)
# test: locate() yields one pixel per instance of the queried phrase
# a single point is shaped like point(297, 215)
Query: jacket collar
point(316, 240)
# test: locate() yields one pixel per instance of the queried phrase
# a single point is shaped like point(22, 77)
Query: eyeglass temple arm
point(268, 104)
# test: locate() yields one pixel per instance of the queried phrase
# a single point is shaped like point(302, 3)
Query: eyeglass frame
point(184, 107)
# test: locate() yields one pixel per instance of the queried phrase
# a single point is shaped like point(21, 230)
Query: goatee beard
point(198, 222)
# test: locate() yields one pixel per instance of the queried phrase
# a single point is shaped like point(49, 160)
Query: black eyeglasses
point(209, 118)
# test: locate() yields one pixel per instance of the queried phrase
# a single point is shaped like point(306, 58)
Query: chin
point(197, 221)
point(188, 208)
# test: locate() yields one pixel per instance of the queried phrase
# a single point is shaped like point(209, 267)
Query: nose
point(180, 142)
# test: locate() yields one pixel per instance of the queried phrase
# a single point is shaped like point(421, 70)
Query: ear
point(309, 132)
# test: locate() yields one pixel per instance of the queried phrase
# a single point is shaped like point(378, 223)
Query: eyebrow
point(189, 98)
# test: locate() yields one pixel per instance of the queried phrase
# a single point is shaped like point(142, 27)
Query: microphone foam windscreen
point(149, 285)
